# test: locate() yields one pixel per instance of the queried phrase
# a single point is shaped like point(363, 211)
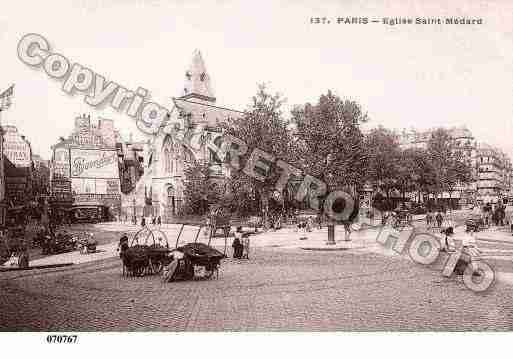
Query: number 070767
point(62, 339)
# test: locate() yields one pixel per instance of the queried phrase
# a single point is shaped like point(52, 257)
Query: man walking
point(429, 219)
point(439, 219)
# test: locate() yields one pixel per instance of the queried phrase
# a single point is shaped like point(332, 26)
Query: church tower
point(197, 81)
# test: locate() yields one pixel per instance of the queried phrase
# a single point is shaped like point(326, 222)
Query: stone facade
point(463, 142)
point(495, 174)
point(18, 166)
point(88, 160)
point(182, 141)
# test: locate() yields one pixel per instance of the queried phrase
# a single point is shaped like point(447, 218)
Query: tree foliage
point(448, 163)
point(329, 144)
point(200, 190)
point(262, 127)
point(383, 153)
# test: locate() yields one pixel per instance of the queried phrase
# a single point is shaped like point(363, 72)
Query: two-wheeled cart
point(146, 255)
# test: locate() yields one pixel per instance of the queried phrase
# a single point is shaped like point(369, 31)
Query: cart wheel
point(209, 275)
point(155, 267)
point(139, 271)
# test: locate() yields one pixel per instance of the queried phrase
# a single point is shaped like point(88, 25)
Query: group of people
point(240, 244)
point(13, 251)
point(494, 214)
point(434, 219)
point(154, 221)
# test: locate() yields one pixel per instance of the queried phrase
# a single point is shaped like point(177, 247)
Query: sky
point(404, 76)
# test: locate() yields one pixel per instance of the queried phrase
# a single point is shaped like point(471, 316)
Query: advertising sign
point(61, 186)
point(113, 186)
point(17, 150)
point(61, 163)
point(94, 163)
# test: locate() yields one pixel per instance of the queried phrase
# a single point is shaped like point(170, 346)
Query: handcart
point(193, 261)
point(147, 254)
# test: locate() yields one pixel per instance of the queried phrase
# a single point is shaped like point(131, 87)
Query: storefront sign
point(61, 163)
point(16, 148)
point(113, 186)
point(99, 199)
point(94, 163)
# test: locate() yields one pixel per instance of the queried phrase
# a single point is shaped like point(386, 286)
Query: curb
point(494, 241)
point(325, 249)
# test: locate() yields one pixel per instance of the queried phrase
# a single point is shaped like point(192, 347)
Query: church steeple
point(197, 80)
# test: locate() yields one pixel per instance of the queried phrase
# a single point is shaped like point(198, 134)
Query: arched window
point(187, 155)
point(168, 155)
point(167, 163)
point(171, 198)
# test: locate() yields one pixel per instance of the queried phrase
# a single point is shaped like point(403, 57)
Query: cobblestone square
point(279, 288)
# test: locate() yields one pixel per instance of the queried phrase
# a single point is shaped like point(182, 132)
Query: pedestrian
point(309, 224)
point(23, 260)
point(277, 221)
point(439, 219)
point(143, 222)
point(302, 228)
point(486, 212)
point(511, 222)
point(447, 243)
point(502, 215)
point(123, 245)
point(153, 220)
point(347, 231)
point(244, 240)
point(245, 245)
point(319, 220)
point(237, 244)
point(429, 219)
point(299, 224)
point(159, 220)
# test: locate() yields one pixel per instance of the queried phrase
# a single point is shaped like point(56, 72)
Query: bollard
point(331, 233)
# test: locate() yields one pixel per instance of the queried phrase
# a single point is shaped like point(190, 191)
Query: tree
point(200, 189)
point(415, 171)
point(383, 153)
point(448, 164)
point(329, 143)
point(262, 127)
point(240, 197)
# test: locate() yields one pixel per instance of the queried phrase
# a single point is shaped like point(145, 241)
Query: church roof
point(205, 112)
point(197, 80)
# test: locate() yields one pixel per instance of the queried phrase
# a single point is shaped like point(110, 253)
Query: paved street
point(279, 288)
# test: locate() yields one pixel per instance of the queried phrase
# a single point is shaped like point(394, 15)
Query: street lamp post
point(134, 219)
point(331, 222)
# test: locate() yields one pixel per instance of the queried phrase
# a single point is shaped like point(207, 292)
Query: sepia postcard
point(328, 168)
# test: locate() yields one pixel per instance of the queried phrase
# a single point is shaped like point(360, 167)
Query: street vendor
point(237, 243)
point(447, 243)
point(123, 244)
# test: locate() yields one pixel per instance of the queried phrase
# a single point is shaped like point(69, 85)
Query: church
point(194, 115)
